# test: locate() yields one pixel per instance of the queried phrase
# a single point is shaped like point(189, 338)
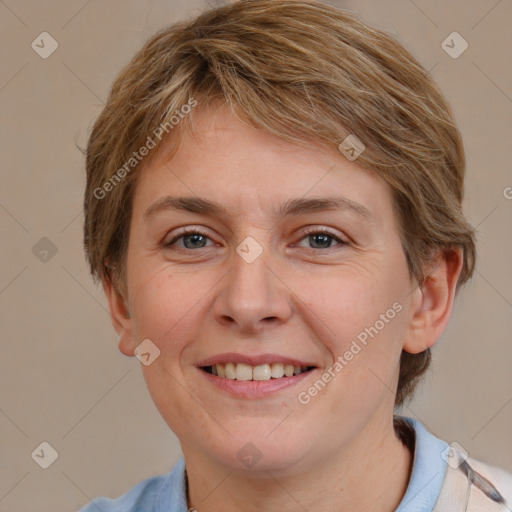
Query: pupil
point(322, 236)
point(322, 239)
point(194, 237)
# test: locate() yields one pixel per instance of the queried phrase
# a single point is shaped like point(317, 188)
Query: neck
point(370, 474)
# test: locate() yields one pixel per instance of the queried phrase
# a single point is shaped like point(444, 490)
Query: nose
point(253, 296)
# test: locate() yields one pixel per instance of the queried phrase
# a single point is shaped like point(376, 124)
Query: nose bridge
point(252, 295)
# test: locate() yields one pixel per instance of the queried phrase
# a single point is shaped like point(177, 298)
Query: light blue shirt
point(168, 493)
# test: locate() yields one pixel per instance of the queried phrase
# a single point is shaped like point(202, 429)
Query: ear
point(120, 316)
point(433, 302)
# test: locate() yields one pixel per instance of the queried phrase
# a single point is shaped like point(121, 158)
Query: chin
point(256, 454)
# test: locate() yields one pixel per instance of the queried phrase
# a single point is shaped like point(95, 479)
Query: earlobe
point(433, 307)
point(120, 317)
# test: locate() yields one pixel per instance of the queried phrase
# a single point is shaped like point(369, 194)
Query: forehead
point(226, 161)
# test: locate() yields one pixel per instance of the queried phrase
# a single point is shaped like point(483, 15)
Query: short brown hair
point(302, 70)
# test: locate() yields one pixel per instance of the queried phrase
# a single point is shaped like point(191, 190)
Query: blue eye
point(322, 237)
point(195, 239)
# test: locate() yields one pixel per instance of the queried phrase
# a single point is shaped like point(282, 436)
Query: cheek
point(350, 303)
point(165, 310)
point(365, 327)
point(168, 306)
point(359, 317)
point(160, 309)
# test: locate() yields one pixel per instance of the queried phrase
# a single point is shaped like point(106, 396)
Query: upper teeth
point(241, 371)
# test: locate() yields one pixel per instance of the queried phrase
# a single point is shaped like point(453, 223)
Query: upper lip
point(255, 360)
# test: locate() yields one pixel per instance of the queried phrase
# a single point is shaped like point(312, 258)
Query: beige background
point(62, 378)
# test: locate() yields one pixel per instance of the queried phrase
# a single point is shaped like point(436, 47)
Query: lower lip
point(254, 388)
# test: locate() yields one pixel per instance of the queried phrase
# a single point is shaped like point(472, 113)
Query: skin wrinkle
point(288, 301)
point(291, 207)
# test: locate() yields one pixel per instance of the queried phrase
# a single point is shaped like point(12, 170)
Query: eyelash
point(308, 232)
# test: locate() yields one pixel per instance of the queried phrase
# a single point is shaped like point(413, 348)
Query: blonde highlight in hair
point(304, 71)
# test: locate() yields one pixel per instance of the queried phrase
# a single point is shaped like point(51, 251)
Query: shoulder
point(446, 479)
point(500, 479)
point(143, 494)
point(477, 485)
point(164, 492)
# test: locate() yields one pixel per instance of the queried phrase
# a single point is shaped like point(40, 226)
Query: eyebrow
point(291, 207)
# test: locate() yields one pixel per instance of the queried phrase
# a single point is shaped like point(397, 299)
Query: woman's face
point(260, 284)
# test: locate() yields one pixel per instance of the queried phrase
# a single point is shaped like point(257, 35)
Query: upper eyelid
point(307, 231)
point(342, 239)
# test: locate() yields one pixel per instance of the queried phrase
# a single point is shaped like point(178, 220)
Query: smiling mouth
point(245, 372)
